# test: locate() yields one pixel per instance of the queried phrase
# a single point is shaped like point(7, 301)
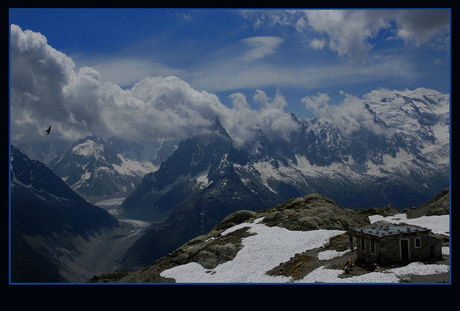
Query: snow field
point(133, 167)
point(331, 254)
point(261, 252)
point(323, 275)
point(418, 268)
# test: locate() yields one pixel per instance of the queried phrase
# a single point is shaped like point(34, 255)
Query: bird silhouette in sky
point(48, 130)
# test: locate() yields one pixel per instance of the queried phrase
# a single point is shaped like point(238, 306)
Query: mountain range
point(400, 155)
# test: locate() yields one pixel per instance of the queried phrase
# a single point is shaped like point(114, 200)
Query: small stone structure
point(385, 243)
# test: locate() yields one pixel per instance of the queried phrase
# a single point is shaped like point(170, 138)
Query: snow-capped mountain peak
point(95, 166)
point(89, 148)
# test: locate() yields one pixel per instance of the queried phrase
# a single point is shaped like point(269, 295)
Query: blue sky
point(296, 53)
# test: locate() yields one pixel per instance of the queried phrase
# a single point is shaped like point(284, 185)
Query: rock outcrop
point(312, 212)
point(438, 206)
point(388, 210)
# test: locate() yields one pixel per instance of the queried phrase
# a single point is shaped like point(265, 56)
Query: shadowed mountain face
point(46, 218)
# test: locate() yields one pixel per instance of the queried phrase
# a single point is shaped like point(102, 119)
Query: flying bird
point(48, 130)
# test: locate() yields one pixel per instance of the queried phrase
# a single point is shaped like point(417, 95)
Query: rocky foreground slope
point(309, 214)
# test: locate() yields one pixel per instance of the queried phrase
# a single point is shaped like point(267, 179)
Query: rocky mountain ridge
point(404, 147)
point(399, 139)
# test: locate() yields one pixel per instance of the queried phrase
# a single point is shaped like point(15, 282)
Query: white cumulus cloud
point(46, 89)
point(348, 30)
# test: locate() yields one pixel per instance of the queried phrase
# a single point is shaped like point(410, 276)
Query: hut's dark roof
point(383, 228)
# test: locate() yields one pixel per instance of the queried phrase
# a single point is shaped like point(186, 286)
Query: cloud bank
point(349, 116)
point(46, 89)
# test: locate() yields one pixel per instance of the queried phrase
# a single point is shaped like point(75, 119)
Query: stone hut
point(386, 243)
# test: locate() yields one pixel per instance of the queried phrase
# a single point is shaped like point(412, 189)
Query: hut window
point(363, 244)
point(418, 242)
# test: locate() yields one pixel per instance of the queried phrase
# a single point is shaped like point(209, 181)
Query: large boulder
point(235, 219)
point(312, 212)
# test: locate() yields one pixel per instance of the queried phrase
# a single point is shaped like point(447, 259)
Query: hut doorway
point(405, 249)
